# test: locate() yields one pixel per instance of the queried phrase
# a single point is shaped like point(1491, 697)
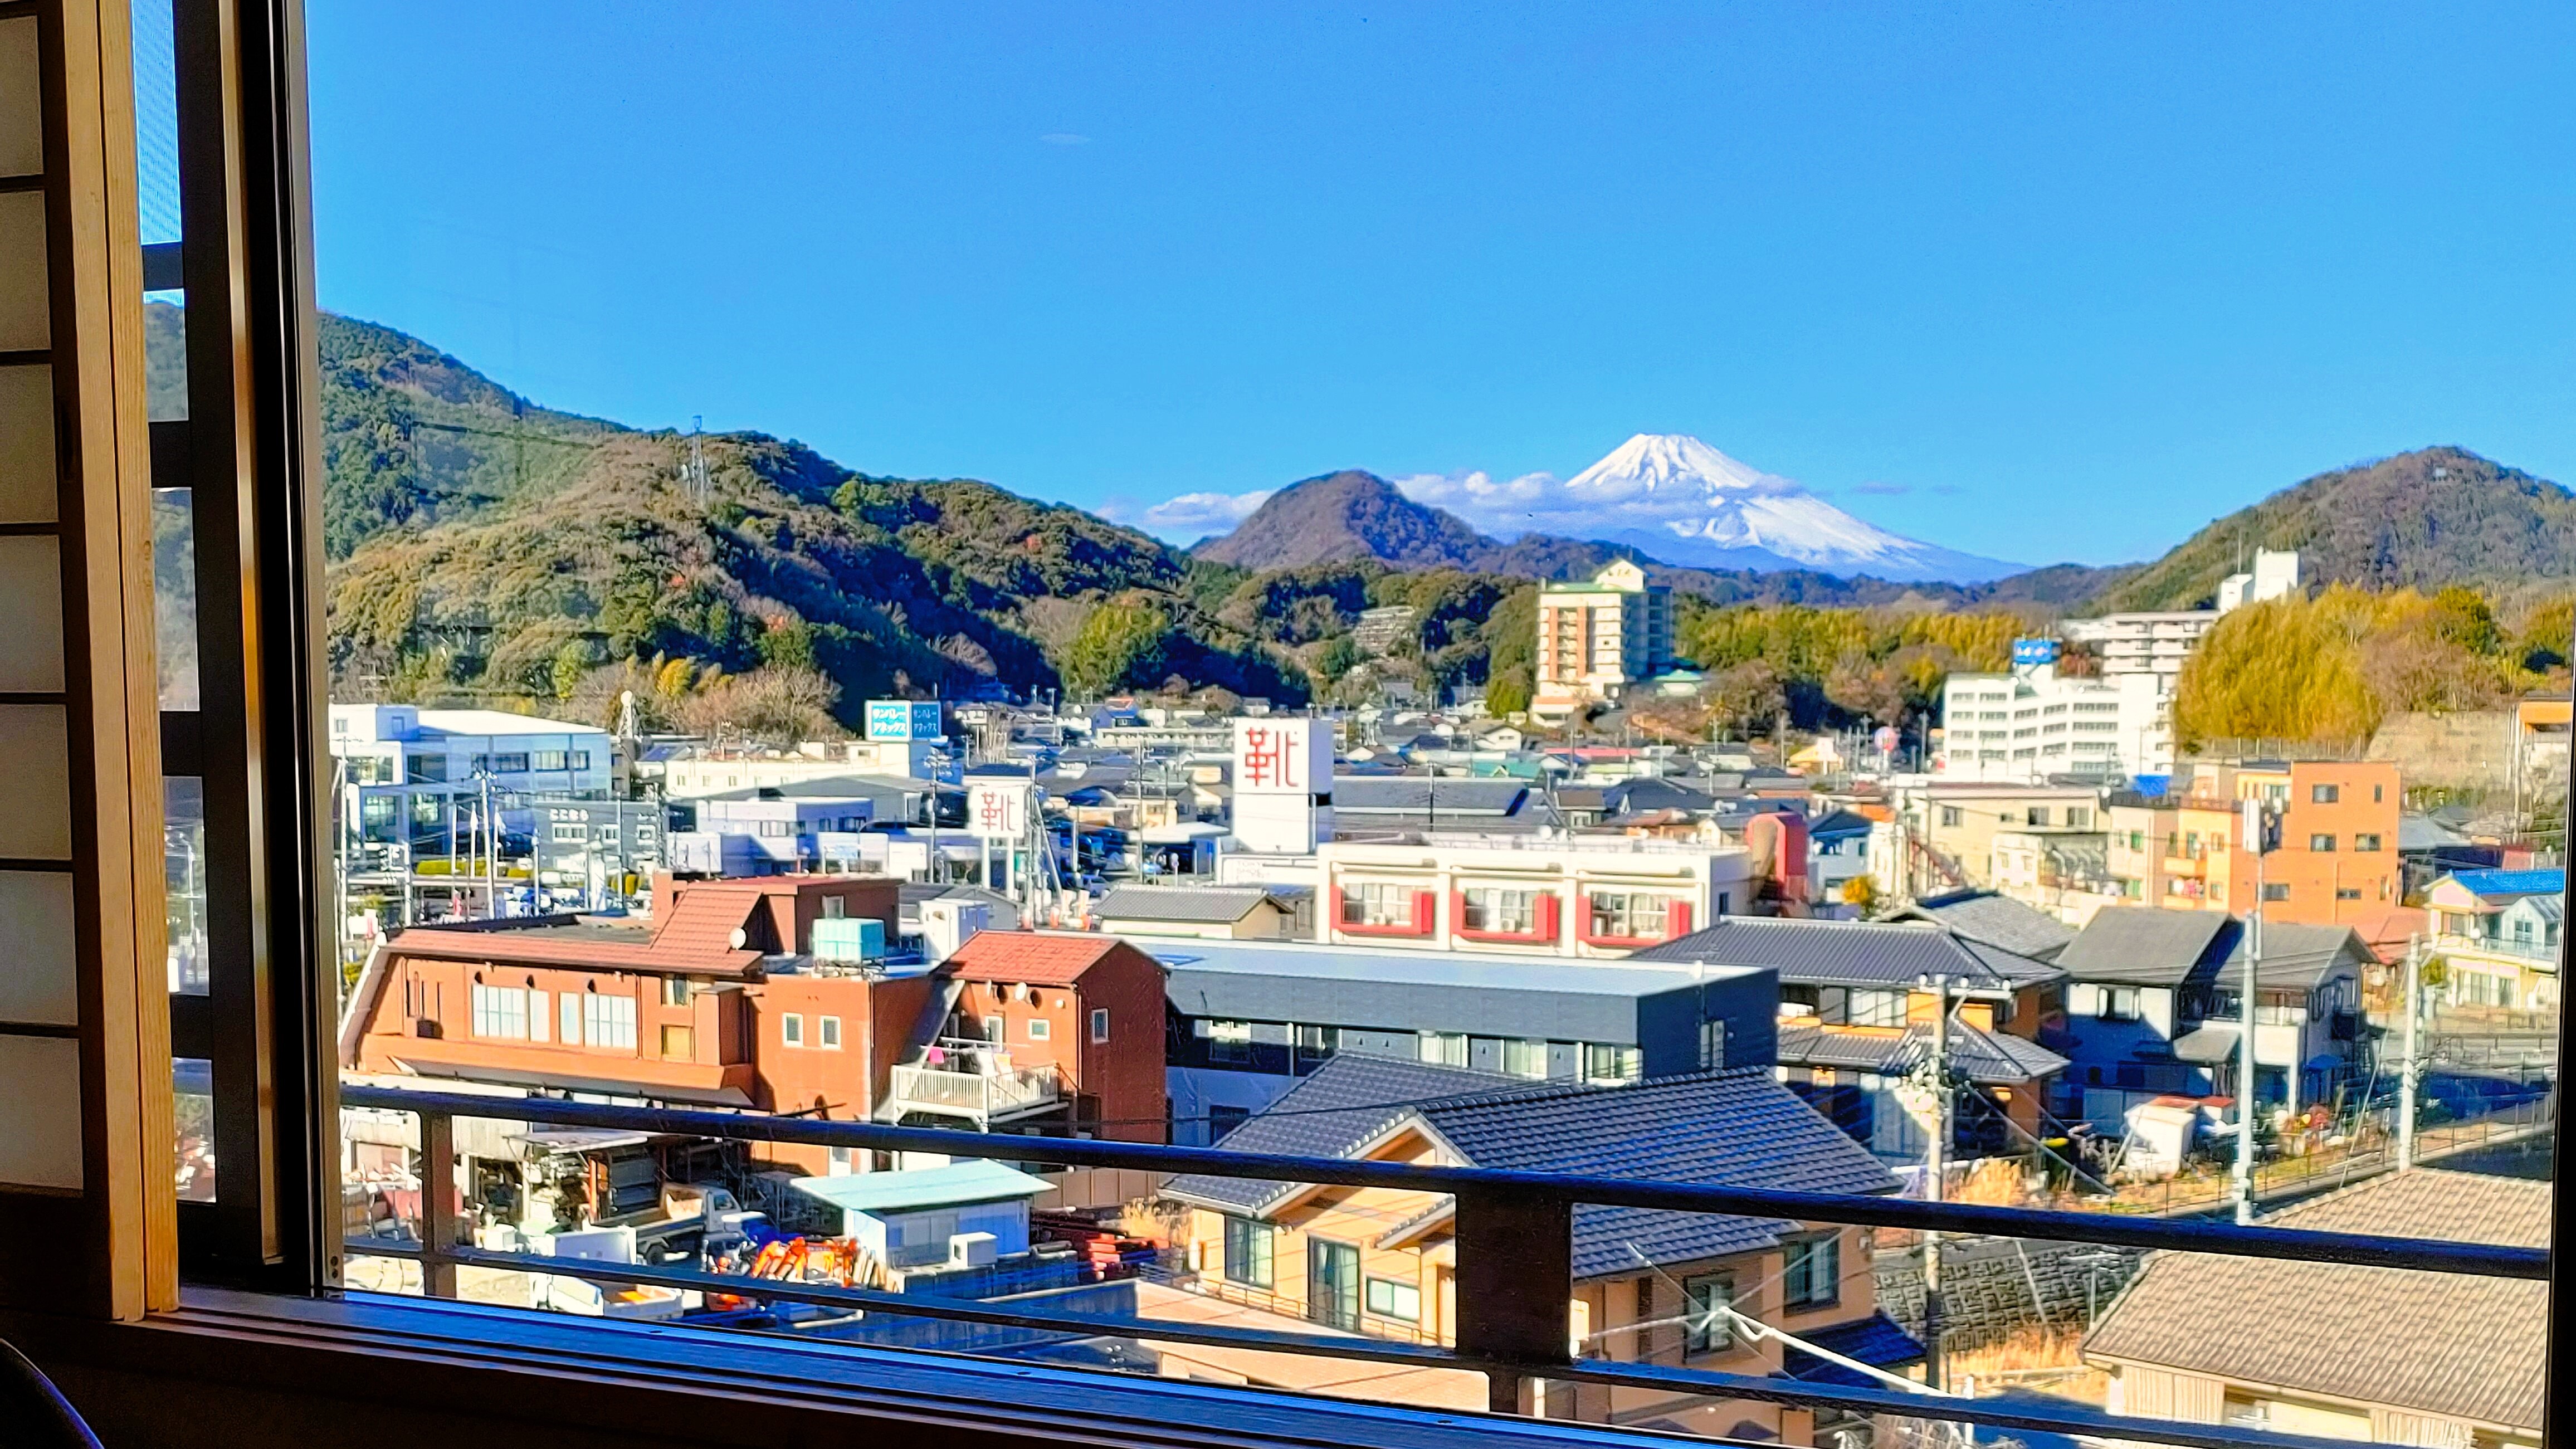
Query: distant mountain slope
point(1694, 505)
point(2382, 525)
point(1343, 517)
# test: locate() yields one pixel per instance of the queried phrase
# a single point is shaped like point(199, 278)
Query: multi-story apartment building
point(1644, 1287)
point(774, 995)
point(1942, 833)
point(2336, 861)
point(1513, 895)
point(1595, 639)
point(414, 781)
point(1250, 1020)
point(2031, 723)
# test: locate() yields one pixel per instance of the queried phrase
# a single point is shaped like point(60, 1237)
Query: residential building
point(1215, 913)
point(1653, 1287)
point(2140, 654)
point(1942, 834)
point(1579, 896)
point(718, 772)
point(2336, 862)
point(2031, 723)
point(2175, 851)
point(1595, 639)
point(2152, 641)
point(1857, 1004)
point(1249, 1021)
point(2496, 934)
point(414, 782)
point(1990, 919)
point(2338, 1351)
point(2065, 874)
point(601, 849)
point(1063, 1024)
point(2153, 1008)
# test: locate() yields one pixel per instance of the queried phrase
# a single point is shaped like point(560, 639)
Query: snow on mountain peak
point(1671, 464)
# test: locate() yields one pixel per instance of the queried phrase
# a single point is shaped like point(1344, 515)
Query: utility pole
point(2258, 839)
point(1934, 1167)
point(2408, 1076)
point(491, 855)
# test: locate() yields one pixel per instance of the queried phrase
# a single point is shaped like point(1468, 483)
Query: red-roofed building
point(1076, 1010)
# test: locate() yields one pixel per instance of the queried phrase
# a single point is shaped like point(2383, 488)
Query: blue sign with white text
point(2034, 651)
point(903, 719)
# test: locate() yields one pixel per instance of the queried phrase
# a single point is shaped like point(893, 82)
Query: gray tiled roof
point(1997, 921)
point(1421, 794)
point(1853, 953)
point(1737, 1127)
point(2295, 955)
point(2433, 1343)
point(1988, 1058)
point(2146, 945)
point(1204, 905)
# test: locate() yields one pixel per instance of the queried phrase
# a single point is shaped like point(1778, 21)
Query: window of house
point(567, 834)
point(2347, 893)
point(570, 1024)
point(1444, 1048)
point(829, 1030)
point(2321, 844)
point(1390, 1298)
point(2039, 815)
point(2275, 891)
point(609, 1021)
point(427, 769)
point(1248, 1252)
point(1629, 914)
point(548, 759)
point(675, 991)
point(2119, 1003)
point(1501, 911)
point(499, 1011)
point(1099, 1024)
point(1875, 1008)
point(1611, 1063)
point(791, 1029)
point(1706, 1328)
point(2324, 794)
point(1229, 1041)
point(1039, 1028)
point(1950, 816)
point(2078, 817)
point(679, 1044)
point(835, 907)
point(1317, 1045)
point(1524, 1058)
point(1811, 1273)
point(2365, 844)
point(1378, 904)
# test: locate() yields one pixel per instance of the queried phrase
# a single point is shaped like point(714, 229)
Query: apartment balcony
point(2506, 946)
point(981, 1097)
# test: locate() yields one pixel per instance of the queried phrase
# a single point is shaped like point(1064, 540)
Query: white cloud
point(1503, 507)
point(1190, 517)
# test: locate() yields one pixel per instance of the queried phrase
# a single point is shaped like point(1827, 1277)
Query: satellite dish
point(738, 939)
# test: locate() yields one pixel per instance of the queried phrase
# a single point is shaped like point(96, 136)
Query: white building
point(1597, 638)
point(413, 779)
point(2030, 723)
point(2151, 645)
point(691, 777)
point(1578, 896)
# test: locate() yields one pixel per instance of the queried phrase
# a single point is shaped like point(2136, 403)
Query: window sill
point(370, 1359)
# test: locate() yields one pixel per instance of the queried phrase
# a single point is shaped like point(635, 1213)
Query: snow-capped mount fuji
point(1679, 500)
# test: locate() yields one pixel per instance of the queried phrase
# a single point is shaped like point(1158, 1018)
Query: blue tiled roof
point(1875, 1340)
point(2512, 882)
point(1733, 1127)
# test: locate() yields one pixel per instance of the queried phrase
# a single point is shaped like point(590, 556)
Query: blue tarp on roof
point(2513, 882)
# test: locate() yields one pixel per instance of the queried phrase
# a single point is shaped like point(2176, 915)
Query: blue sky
point(2038, 282)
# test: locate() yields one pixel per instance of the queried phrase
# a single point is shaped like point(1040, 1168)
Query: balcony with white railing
point(2523, 948)
point(991, 1094)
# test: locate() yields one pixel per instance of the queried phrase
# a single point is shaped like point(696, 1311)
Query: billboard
point(2034, 651)
point(1283, 757)
point(998, 809)
point(903, 719)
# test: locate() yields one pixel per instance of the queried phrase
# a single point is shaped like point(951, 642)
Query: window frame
point(1246, 1232)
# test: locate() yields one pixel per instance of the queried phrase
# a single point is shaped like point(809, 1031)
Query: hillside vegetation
point(2420, 520)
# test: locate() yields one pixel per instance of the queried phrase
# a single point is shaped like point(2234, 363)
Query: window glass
point(192, 1087)
point(183, 826)
point(1706, 1328)
point(1247, 1252)
point(830, 1032)
point(174, 595)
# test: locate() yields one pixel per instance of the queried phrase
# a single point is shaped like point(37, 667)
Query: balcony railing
point(2522, 950)
point(984, 1096)
point(1514, 1238)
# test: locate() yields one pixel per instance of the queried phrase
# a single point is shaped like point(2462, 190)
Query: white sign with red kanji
point(1283, 757)
point(997, 809)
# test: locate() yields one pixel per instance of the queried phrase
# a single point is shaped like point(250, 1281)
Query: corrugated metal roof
point(923, 1187)
point(1853, 953)
point(2512, 882)
point(2434, 1343)
point(1737, 1127)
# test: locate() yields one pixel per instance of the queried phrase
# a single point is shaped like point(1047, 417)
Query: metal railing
point(1514, 1235)
point(982, 1095)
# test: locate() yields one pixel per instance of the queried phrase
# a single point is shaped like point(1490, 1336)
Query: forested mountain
point(485, 547)
point(2422, 520)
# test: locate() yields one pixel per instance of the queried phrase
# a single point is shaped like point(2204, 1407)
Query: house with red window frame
point(1596, 896)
